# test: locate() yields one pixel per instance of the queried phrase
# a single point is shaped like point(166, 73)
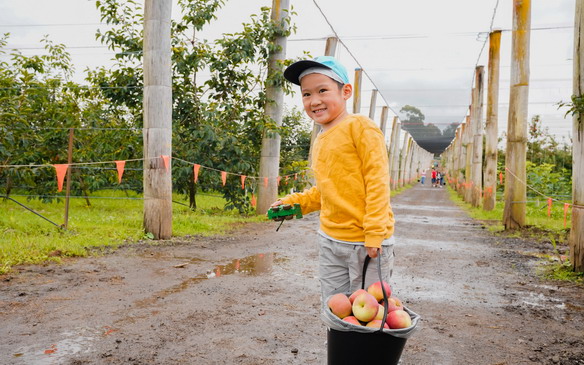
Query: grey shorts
point(341, 266)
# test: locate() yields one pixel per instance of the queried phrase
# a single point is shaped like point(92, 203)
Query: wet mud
point(252, 297)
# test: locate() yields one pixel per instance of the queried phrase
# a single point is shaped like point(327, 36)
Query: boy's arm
point(309, 200)
point(378, 215)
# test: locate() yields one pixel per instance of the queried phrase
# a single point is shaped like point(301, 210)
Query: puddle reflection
point(252, 265)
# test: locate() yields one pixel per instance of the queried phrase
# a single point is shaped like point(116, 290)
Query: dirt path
point(253, 298)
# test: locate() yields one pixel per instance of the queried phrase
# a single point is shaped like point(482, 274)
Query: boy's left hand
point(373, 251)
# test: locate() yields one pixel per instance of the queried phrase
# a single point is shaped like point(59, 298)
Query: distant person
point(442, 177)
point(423, 177)
point(352, 181)
point(434, 174)
point(438, 179)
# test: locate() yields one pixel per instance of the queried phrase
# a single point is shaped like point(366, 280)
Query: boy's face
point(324, 101)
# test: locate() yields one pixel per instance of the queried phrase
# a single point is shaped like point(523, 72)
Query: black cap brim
point(294, 70)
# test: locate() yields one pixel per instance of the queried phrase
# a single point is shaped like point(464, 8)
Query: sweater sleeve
point(309, 200)
point(378, 220)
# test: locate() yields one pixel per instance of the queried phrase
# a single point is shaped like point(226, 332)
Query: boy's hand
point(276, 203)
point(373, 251)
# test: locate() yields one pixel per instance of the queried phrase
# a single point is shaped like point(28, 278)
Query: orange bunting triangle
point(549, 201)
point(166, 160)
point(253, 200)
point(61, 171)
point(501, 178)
point(196, 169)
point(266, 182)
point(243, 182)
point(120, 167)
point(224, 177)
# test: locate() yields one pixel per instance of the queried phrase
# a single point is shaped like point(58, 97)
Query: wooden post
point(477, 144)
point(270, 155)
point(468, 160)
point(402, 160)
point(577, 231)
point(357, 91)
point(383, 121)
point(157, 119)
point(457, 157)
point(515, 171)
point(329, 50)
point(373, 105)
point(492, 128)
point(68, 186)
point(408, 161)
point(395, 153)
point(331, 46)
point(462, 159)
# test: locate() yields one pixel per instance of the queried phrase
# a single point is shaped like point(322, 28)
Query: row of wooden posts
point(463, 158)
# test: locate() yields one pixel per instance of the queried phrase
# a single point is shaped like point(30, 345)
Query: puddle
point(72, 342)
point(253, 265)
point(541, 301)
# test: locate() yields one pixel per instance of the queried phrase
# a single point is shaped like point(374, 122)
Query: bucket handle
point(385, 301)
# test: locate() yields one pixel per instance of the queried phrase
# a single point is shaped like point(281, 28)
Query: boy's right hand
point(276, 203)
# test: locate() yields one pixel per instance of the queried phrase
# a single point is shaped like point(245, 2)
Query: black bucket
point(358, 347)
point(363, 348)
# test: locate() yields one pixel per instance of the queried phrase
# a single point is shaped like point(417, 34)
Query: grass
point(109, 222)
point(539, 227)
point(536, 216)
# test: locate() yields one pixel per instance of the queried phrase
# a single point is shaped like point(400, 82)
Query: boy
point(352, 181)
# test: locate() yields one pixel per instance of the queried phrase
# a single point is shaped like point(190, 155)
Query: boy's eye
point(305, 94)
point(322, 90)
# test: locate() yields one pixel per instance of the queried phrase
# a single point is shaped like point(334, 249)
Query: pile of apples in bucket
point(365, 308)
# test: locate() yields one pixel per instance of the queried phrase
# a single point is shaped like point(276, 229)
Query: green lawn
point(109, 221)
point(536, 214)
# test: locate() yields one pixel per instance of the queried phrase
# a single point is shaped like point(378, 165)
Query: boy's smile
point(324, 101)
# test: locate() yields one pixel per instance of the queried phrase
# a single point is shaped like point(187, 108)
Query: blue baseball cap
point(295, 70)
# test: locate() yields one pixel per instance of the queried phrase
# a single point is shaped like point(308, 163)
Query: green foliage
point(575, 106)
point(545, 180)
point(38, 105)
point(413, 122)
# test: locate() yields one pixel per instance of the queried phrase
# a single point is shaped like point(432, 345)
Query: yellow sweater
point(352, 183)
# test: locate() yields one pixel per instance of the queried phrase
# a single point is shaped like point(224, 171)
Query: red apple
point(394, 304)
point(365, 307)
point(375, 290)
point(340, 305)
point(399, 319)
point(352, 320)
point(354, 295)
point(376, 323)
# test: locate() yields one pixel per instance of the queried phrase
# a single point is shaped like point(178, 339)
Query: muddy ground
point(252, 297)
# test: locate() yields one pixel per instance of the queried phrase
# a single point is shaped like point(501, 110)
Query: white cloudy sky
point(421, 53)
